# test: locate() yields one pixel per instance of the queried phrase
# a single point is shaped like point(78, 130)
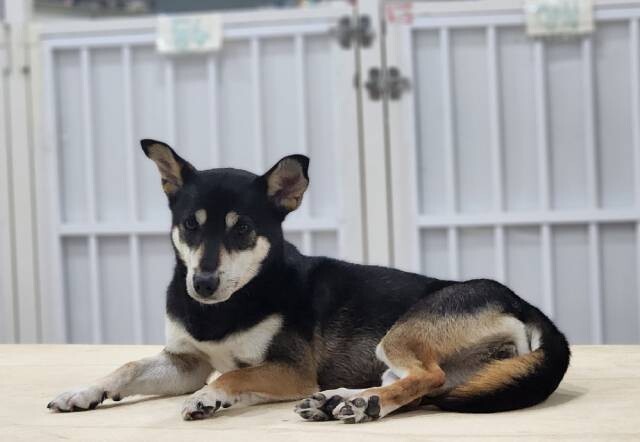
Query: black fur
point(338, 310)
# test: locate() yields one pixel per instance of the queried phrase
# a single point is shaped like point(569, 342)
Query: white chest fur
point(248, 346)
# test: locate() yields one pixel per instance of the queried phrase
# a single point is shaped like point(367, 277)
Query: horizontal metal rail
point(529, 218)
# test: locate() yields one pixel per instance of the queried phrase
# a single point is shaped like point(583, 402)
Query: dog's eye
point(191, 223)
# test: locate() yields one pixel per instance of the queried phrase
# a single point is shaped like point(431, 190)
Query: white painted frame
point(8, 331)
point(129, 33)
point(26, 291)
point(491, 14)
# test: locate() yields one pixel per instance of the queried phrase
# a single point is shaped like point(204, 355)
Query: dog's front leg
point(269, 382)
point(164, 374)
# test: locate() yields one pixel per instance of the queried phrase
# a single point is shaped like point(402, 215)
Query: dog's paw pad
point(318, 407)
point(358, 410)
point(312, 414)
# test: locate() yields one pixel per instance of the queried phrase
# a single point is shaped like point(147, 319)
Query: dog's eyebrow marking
point(231, 219)
point(201, 216)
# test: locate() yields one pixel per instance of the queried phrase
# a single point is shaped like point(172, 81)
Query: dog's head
point(226, 223)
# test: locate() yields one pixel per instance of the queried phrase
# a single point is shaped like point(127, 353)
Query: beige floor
point(599, 399)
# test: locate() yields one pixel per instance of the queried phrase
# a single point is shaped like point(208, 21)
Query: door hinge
point(389, 83)
point(350, 30)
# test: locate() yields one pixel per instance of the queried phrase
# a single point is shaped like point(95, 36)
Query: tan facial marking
point(190, 257)
point(231, 219)
point(201, 216)
point(238, 267)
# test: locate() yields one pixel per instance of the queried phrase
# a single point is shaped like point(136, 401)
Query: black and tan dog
point(281, 326)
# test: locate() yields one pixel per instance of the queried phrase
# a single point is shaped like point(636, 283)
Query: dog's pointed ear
point(174, 170)
point(286, 182)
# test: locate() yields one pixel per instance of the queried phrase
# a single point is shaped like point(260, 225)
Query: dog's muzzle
point(205, 283)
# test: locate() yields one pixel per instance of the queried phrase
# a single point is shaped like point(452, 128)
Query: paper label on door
point(559, 17)
point(177, 34)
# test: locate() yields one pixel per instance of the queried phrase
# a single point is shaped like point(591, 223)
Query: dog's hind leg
point(432, 354)
point(409, 378)
point(164, 374)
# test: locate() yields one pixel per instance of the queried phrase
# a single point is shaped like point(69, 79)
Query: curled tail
point(517, 382)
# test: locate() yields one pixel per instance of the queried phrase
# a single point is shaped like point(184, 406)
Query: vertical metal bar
point(454, 253)
point(638, 272)
point(170, 98)
point(94, 287)
point(544, 179)
point(595, 284)
point(589, 122)
point(132, 200)
point(214, 126)
point(134, 253)
point(547, 271)
point(634, 56)
point(17, 15)
point(301, 96)
point(447, 107)
point(10, 316)
point(409, 110)
point(495, 120)
point(94, 284)
point(87, 120)
point(137, 314)
point(496, 150)
point(542, 132)
point(256, 79)
point(500, 257)
point(450, 154)
point(51, 266)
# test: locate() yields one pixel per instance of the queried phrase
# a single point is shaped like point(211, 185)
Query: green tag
point(188, 33)
point(559, 17)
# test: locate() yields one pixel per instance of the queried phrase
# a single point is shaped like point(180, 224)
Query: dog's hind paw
point(318, 407)
point(358, 410)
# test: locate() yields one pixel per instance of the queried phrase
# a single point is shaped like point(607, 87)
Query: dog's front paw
point(80, 399)
point(203, 404)
point(358, 410)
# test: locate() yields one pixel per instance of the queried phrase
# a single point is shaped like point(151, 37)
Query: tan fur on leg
point(276, 382)
point(269, 382)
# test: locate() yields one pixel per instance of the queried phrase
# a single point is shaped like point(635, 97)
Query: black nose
point(205, 283)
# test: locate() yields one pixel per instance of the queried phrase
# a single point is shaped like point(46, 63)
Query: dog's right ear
point(174, 170)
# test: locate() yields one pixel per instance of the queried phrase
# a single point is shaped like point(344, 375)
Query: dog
point(352, 342)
